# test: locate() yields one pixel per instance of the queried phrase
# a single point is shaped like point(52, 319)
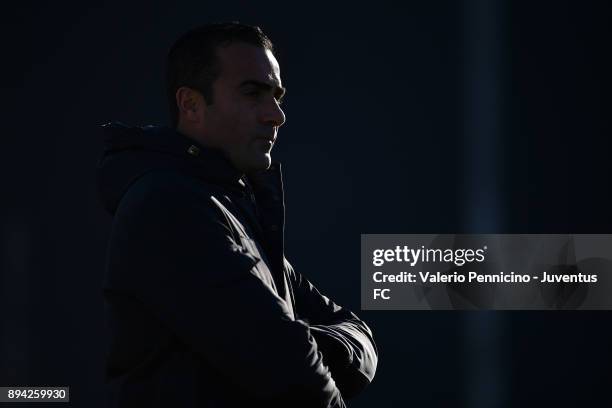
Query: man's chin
point(266, 162)
point(260, 163)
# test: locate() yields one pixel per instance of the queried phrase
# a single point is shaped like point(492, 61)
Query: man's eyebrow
point(279, 91)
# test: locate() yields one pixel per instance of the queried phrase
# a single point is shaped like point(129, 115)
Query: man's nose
point(273, 115)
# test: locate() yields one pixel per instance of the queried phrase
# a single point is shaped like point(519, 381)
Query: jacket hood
point(132, 151)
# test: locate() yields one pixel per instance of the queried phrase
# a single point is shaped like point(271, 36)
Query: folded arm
point(345, 340)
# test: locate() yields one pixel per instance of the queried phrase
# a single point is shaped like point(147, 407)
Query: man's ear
point(190, 104)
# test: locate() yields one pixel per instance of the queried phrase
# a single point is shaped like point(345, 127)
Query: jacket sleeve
point(173, 250)
point(345, 340)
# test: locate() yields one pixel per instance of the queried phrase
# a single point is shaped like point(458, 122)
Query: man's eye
point(252, 93)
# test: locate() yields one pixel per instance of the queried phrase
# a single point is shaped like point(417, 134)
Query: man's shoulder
point(166, 189)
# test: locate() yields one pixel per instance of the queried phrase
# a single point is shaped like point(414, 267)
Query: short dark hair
point(192, 60)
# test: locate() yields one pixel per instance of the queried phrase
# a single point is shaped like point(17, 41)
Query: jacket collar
point(130, 152)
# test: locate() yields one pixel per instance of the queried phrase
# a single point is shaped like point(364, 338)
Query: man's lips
point(267, 139)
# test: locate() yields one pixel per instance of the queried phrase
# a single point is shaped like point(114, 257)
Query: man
point(203, 308)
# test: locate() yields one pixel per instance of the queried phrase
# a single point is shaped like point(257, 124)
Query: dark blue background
point(426, 117)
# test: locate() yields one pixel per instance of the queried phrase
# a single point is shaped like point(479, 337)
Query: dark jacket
point(203, 308)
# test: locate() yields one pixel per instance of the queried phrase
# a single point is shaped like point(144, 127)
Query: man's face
point(245, 115)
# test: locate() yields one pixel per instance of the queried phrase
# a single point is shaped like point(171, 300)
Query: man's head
point(224, 90)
